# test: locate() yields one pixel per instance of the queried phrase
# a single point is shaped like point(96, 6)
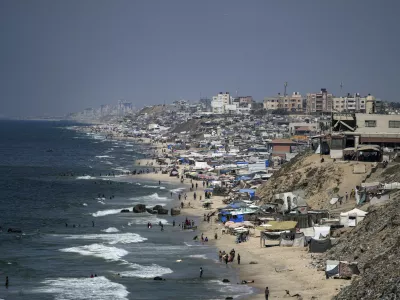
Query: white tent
point(352, 217)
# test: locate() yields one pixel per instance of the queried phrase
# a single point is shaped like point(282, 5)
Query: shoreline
point(281, 269)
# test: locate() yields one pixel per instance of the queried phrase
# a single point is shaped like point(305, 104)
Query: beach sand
point(279, 268)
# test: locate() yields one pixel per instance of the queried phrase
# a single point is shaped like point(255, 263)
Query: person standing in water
point(201, 272)
point(6, 282)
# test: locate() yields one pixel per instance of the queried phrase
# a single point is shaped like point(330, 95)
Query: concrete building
point(350, 103)
point(220, 101)
point(293, 103)
point(361, 128)
point(245, 99)
point(320, 102)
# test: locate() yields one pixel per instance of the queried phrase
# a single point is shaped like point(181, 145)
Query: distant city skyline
point(64, 56)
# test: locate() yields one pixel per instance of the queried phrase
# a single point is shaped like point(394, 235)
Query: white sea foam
point(152, 197)
point(177, 191)
point(99, 288)
point(98, 250)
point(110, 230)
point(104, 156)
point(85, 177)
point(107, 162)
point(202, 256)
point(146, 271)
point(121, 169)
point(151, 218)
point(84, 204)
point(102, 213)
point(233, 290)
point(110, 238)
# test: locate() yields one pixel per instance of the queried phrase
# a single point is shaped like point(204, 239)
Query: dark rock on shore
point(158, 278)
point(163, 211)
point(160, 210)
point(124, 210)
point(139, 208)
point(151, 211)
point(225, 280)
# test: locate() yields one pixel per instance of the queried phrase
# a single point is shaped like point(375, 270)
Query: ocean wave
point(84, 204)
point(110, 230)
point(85, 177)
point(102, 213)
point(233, 290)
point(104, 156)
point(107, 162)
point(99, 288)
point(152, 197)
point(154, 187)
point(202, 256)
point(110, 238)
point(146, 271)
point(177, 191)
point(121, 169)
point(153, 219)
point(98, 250)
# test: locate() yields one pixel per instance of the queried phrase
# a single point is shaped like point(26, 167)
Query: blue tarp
point(243, 178)
point(235, 219)
point(267, 163)
point(250, 191)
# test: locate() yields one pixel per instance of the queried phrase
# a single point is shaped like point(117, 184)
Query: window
point(394, 124)
point(370, 123)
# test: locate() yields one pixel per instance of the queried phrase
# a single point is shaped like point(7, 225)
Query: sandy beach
point(281, 269)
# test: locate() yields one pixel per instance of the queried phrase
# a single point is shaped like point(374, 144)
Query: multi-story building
point(319, 102)
point(245, 99)
point(350, 103)
point(293, 103)
point(219, 102)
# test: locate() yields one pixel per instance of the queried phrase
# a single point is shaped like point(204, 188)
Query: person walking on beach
point(347, 196)
point(238, 259)
point(197, 185)
point(201, 272)
point(266, 293)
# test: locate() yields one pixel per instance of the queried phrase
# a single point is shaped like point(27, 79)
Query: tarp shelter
point(320, 246)
point(352, 217)
point(332, 268)
point(321, 232)
point(292, 239)
point(281, 225)
point(341, 269)
point(251, 192)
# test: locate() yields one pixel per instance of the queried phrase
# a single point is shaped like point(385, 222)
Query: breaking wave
point(146, 271)
point(99, 288)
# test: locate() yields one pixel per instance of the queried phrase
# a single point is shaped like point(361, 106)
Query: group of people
point(228, 257)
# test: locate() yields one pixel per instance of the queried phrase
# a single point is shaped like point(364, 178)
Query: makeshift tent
point(321, 232)
point(341, 269)
point(291, 239)
point(332, 268)
point(352, 217)
point(320, 246)
point(251, 192)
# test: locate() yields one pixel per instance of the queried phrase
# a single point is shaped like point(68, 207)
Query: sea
point(55, 189)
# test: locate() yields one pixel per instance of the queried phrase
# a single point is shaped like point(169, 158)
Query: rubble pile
point(375, 245)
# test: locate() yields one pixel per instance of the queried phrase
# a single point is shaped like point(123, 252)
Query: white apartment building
point(222, 103)
point(350, 103)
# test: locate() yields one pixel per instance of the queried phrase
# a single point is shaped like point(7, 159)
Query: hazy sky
point(63, 56)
